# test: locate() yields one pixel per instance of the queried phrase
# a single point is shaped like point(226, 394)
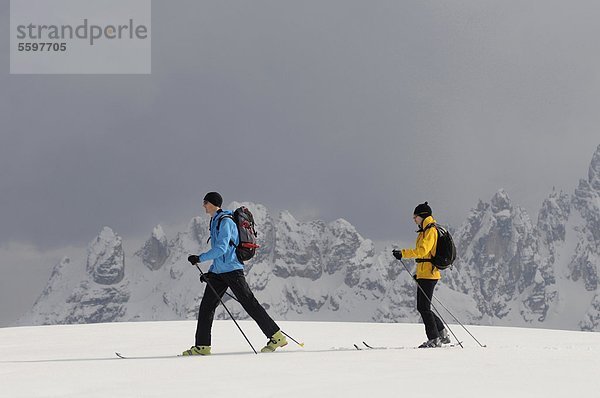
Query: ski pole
point(455, 318)
point(287, 335)
point(226, 309)
point(433, 306)
point(293, 339)
point(467, 330)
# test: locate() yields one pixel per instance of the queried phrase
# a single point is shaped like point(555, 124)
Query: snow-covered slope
point(510, 270)
point(79, 361)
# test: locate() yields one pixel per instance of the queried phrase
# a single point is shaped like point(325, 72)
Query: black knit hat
point(423, 210)
point(214, 198)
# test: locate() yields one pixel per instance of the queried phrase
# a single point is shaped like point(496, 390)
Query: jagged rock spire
point(156, 249)
point(106, 260)
point(594, 170)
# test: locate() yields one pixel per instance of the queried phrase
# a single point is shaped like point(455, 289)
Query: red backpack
point(244, 220)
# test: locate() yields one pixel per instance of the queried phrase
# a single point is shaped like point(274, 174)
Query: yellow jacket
point(425, 248)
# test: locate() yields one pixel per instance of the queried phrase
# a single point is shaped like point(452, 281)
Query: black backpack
point(445, 252)
point(244, 220)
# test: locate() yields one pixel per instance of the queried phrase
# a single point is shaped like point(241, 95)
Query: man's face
point(209, 208)
point(417, 219)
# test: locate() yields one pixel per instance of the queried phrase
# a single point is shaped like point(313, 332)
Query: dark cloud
point(355, 109)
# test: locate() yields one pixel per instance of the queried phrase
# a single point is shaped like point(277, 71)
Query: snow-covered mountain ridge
point(511, 270)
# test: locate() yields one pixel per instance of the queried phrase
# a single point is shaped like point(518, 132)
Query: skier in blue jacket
point(226, 272)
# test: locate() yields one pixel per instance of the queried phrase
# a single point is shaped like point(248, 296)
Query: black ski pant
point(236, 281)
point(433, 324)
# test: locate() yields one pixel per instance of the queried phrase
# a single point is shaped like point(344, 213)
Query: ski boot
point(276, 341)
point(197, 350)
point(444, 338)
point(433, 343)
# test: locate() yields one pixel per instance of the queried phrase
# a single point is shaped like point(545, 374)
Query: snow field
point(79, 361)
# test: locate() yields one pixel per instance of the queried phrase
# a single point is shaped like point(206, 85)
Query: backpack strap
point(219, 225)
point(429, 226)
point(421, 229)
point(210, 223)
point(427, 260)
point(221, 219)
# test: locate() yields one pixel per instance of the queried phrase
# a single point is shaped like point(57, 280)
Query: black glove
point(415, 276)
point(194, 259)
point(205, 277)
point(397, 254)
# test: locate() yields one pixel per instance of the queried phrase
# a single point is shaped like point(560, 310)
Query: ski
point(118, 354)
point(333, 349)
point(356, 347)
point(405, 348)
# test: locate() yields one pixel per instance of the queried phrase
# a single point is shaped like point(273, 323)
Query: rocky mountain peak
point(496, 259)
point(508, 272)
point(105, 258)
point(155, 251)
point(594, 170)
point(553, 215)
point(501, 202)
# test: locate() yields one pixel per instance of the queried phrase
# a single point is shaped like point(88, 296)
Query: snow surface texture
point(510, 270)
point(79, 361)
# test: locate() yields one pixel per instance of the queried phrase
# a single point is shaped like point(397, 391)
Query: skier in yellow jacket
point(427, 275)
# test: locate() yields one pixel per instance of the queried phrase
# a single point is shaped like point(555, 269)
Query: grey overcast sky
point(353, 109)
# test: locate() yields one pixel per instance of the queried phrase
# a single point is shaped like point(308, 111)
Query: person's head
point(212, 202)
point(421, 212)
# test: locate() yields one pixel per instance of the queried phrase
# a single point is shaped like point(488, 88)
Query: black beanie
point(423, 210)
point(214, 198)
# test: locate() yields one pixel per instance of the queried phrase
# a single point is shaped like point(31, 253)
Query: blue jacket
point(221, 251)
